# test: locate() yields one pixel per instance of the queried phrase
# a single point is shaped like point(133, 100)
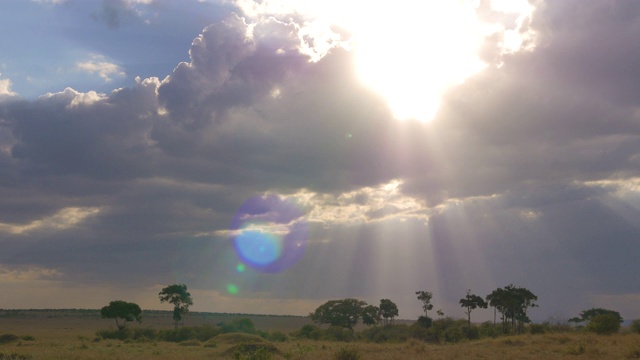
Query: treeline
point(512, 303)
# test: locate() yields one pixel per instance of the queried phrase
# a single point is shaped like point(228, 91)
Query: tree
point(344, 313)
point(512, 302)
point(587, 315)
point(472, 302)
point(599, 320)
point(119, 309)
point(370, 315)
point(425, 297)
point(388, 310)
point(177, 295)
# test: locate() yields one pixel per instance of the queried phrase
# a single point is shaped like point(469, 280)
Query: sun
point(414, 55)
point(411, 52)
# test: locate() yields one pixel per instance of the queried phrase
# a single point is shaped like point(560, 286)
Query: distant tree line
point(511, 302)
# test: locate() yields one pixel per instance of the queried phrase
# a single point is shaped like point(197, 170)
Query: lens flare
point(270, 233)
point(240, 268)
point(232, 289)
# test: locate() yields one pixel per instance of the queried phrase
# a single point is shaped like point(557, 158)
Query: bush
point(347, 353)
point(489, 329)
point(260, 351)
point(142, 334)
point(337, 333)
point(243, 325)
point(605, 324)
point(388, 333)
point(448, 330)
point(7, 338)
point(307, 330)
point(277, 336)
point(537, 329)
point(200, 333)
point(425, 322)
point(635, 326)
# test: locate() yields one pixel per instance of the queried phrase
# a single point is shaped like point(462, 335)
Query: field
point(70, 334)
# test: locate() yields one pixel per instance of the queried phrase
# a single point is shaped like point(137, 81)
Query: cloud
point(527, 175)
point(114, 12)
point(104, 69)
point(5, 89)
point(63, 219)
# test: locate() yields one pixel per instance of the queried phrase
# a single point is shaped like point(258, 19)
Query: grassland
point(72, 335)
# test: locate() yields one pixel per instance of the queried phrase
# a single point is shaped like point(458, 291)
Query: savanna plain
point(83, 334)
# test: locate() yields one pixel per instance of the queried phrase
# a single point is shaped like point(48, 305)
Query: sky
point(274, 154)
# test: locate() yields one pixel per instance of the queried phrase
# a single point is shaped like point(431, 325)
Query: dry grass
point(72, 336)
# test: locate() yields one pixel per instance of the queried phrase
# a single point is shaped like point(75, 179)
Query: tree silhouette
point(177, 295)
point(119, 309)
point(471, 302)
point(425, 297)
point(344, 313)
point(388, 310)
point(512, 302)
point(370, 315)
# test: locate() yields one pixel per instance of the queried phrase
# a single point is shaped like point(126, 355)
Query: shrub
point(200, 333)
point(7, 338)
point(388, 333)
point(537, 329)
point(488, 329)
point(605, 324)
point(347, 353)
point(244, 325)
point(114, 334)
point(635, 326)
point(253, 351)
point(277, 336)
point(337, 333)
point(306, 330)
point(425, 322)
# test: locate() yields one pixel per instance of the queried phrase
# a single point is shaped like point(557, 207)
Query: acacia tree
point(472, 302)
point(512, 302)
point(119, 309)
point(388, 310)
point(370, 315)
point(599, 320)
point(344, 313)
point(425, 297)
point(177, 295)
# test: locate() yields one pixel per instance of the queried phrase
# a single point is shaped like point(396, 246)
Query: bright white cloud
point(5, 88)
point(97, 64)
point(410, 52)
point(61, 220)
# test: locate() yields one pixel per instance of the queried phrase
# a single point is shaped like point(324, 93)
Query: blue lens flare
point(270, 233)
point(256, 247)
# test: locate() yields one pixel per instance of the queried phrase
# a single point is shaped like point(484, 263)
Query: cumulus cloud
point(97, 64)
point(5, 89)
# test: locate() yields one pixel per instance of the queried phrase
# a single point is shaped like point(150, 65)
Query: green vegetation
point(122, 310)
point(232, 336)
point(179, 297)
point(343, 313)
point(472, 302)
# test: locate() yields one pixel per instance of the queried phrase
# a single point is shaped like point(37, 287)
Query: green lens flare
point(232, 289)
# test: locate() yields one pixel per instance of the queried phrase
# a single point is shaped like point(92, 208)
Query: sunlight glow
point(410, 52)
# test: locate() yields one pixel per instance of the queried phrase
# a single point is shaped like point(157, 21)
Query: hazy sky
point(276, 154)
